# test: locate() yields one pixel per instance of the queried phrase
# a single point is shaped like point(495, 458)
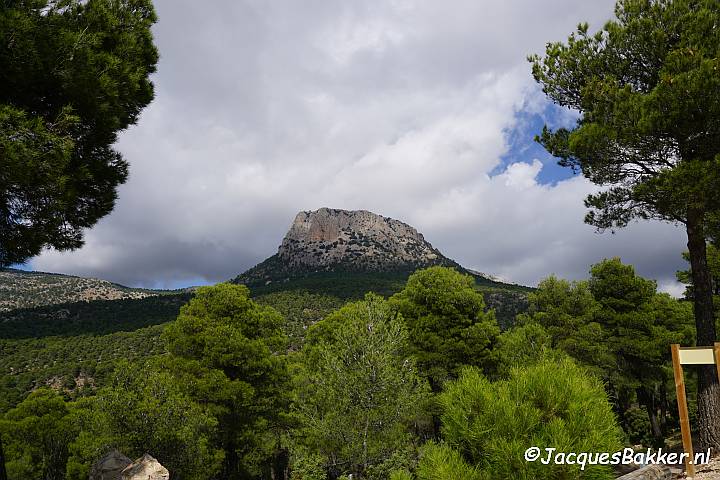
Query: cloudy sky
point(421, 111)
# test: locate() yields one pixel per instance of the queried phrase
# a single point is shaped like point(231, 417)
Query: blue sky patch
point(523, 148)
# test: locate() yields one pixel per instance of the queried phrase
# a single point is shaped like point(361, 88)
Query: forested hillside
point(65, 342)
point(340, 370)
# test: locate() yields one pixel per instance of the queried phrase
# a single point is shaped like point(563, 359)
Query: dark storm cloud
point(404, 108)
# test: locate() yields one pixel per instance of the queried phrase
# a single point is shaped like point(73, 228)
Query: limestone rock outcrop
point(145, 468)
point(346, 240)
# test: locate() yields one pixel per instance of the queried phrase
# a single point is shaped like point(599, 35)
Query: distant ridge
point(21, 289)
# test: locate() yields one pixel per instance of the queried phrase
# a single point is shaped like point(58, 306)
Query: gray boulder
point(110, 466)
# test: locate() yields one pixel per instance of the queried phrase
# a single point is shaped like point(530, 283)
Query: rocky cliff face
point(346, 240)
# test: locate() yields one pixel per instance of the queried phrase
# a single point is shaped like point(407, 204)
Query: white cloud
point(404, 108)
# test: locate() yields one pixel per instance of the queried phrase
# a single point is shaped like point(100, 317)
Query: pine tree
point(647, 87)
point(73, 74)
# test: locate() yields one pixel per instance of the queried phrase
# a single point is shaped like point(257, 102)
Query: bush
point(400, 475)
point(440, 462)
point(307, 466)
point(490, 425)
point(523, 345)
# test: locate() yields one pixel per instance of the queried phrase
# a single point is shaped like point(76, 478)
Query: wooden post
point(716, 347)
point(683, 410)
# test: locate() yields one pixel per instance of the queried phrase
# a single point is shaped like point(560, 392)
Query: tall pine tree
point(647, 87)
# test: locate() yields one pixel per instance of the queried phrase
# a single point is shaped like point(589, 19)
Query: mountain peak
point(331, 239)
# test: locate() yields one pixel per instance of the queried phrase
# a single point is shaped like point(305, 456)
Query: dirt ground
point(710, 471)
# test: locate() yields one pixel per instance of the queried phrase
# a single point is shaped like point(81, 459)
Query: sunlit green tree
point(447, 323)
point(36, 435)
point(487, 426)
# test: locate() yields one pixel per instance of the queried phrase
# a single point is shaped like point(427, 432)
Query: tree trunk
point(280, 464)
point(655, 428)
point(231, 466)
point(3, 472)
point(708, 389)
point(663, 408)
point(647, 398)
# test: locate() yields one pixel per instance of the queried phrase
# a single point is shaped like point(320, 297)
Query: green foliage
point(713, 260)
point(85, 360)
point(441, 462)
point(307, 465)
point(400, 475)
point(343, 285)
point(358, 391)
point(506, 299)
point(230, 350)
point(647, 87)
point(490, 425)
point(618, 326)
point(522, 346)
point(637, 426)
point(639, 84)
point(560, 306)
point(446, 321)
point(74, 74)
point(36, 435)
point(301, 310)
point(79, 348)
point(507, 302)
point(98, 317)
point(616, 287)
point(145, 410)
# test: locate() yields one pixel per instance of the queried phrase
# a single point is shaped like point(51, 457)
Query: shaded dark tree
point(620, 327)
point(74, 73)
point(230, 351)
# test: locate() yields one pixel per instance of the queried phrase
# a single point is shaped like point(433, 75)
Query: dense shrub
point(490, 425)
